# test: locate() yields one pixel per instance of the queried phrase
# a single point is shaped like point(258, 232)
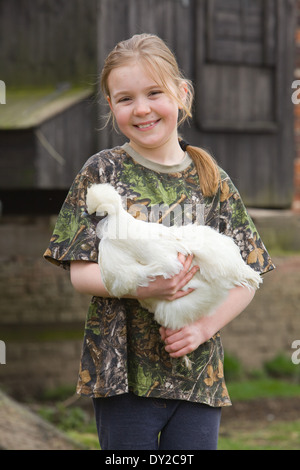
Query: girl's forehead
point(138, 70)
point(133, 67)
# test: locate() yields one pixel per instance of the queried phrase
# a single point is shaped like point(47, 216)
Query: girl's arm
point(187, 339)
point(86, 279)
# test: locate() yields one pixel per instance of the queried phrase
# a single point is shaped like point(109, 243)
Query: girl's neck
point(168, 154)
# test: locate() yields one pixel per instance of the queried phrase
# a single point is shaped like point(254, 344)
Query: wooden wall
point(239, 54)
point(44, 42)
point(296, 200)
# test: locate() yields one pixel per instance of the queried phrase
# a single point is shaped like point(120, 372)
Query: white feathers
point(131, 252)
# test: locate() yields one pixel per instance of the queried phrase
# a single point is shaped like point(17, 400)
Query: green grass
point(262, 435)
point(279, 436)
point(262, 388)
point(86, 438)
point(273, 436)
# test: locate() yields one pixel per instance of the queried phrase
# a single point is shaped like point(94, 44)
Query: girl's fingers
point(182, 278)
point(178, 347)
point(181, 258)
point(170, 289)
point(162, 332)
point(181, 293)
point(172, 336)
point(178, 342)
point(185, 261)
point(187, 277)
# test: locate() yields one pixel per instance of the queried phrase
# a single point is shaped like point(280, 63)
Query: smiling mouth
point(147, 125)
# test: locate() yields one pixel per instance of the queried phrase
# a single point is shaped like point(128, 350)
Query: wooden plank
point(234, 35)
point(29, 108)
point(71, 135)
point(51, 155)
point(283, 164)
point(17, 159)
point(183, 37)
point(270, 30)
point(258, 153)
point(239, 98)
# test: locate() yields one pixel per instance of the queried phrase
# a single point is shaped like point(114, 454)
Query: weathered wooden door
point(239, 54)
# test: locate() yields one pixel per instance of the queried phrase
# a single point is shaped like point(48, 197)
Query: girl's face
point(145, 113)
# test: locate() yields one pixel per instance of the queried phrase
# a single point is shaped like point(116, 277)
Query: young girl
point(129, 364)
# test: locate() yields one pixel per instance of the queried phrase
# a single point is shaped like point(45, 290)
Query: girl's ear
point(109, 102)
point(183, 91)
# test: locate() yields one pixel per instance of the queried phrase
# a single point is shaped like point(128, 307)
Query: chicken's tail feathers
point(252, 280)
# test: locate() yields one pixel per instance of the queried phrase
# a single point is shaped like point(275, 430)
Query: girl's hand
point(170, 289)
point(184, 341)
point(190, 337)
point(86, 279)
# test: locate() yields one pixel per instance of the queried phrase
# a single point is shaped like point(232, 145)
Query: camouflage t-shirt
point(122, 347)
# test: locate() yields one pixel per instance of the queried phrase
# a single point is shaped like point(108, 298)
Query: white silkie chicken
point(132, 252)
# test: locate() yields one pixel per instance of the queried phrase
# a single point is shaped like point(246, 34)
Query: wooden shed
point(238, 53)
point(48, 123)
point(45, 137)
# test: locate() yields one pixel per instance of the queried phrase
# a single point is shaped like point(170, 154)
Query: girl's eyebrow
point(120, 93)
point(126, 92)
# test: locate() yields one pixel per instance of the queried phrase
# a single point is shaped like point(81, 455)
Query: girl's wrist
point(207, 328)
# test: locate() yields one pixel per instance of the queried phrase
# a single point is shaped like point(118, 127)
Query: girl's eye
point(123, 100)
point(155, 92)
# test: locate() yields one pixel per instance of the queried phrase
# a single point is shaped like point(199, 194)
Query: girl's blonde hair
point(162, 66)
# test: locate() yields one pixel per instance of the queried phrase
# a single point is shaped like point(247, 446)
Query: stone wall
point(42, 317)
point(271, 322)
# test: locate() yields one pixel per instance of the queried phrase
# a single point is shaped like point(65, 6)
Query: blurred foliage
point(282, 367)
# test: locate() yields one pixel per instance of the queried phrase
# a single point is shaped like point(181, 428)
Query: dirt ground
point(21, 429)
point(254, 414)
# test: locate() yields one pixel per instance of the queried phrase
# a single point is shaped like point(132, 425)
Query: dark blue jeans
point(134, 423)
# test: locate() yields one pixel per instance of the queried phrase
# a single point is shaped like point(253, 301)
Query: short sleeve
point(236, 222)
point(74, 236)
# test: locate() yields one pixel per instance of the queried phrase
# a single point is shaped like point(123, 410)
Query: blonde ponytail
point(207, 168)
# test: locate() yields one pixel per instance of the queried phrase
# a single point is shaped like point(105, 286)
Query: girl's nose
point(141, 107)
